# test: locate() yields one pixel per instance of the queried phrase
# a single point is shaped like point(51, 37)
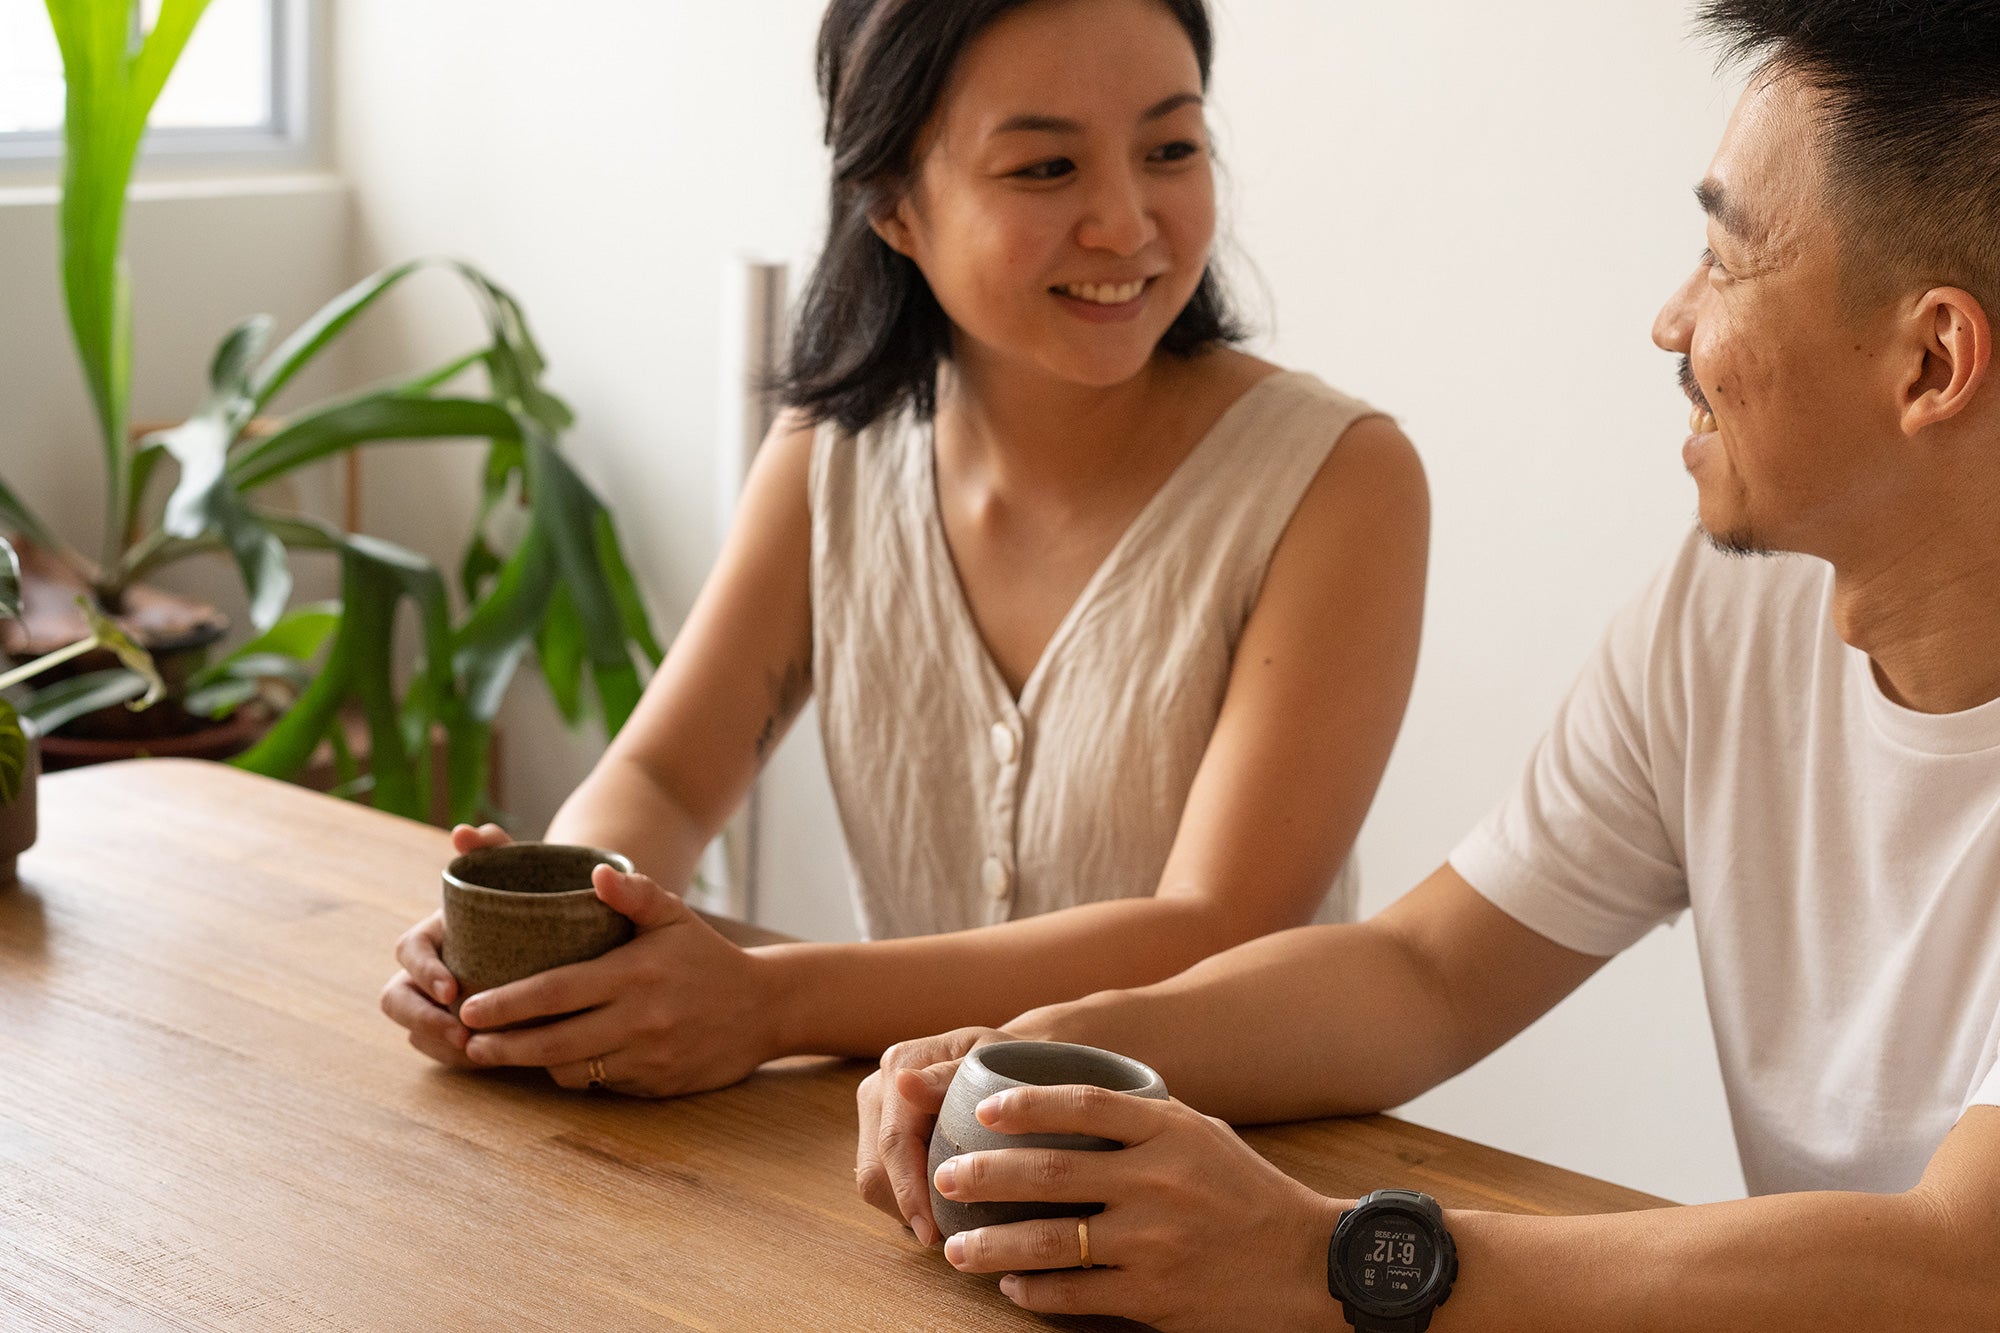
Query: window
point(238, 92)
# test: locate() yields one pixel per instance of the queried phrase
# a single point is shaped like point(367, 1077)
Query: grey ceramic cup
point(1012, 1064)
point(525, 907)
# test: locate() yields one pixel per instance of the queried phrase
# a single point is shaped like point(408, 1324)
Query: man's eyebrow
point(1033, 124)
point(1718, 204)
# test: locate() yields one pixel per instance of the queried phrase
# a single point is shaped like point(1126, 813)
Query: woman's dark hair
point(1911, 134)
point(869, 334)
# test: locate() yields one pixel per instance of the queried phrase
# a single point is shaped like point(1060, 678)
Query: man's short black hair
point(1912, 133)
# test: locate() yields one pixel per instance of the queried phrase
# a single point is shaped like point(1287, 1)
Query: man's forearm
point(1791, 1263)
point(1319, 1021)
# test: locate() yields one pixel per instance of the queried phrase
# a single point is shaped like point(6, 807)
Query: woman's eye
point(1178, 151)
point(1053, 169)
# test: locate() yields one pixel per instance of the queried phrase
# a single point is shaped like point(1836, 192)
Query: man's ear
point(1950, 330)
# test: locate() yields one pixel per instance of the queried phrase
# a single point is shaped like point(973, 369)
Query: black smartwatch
point(1391, 1262)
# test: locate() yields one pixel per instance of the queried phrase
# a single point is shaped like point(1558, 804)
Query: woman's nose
point(1119, 216)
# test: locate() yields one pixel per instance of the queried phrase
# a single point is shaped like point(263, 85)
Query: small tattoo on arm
point(788, 688)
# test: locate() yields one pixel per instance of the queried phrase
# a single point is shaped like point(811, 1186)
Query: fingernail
point(927, 1232)
point(475, 1050)
point(947, 1178)
point(992, 1108)
point(954, 1250)
point(1010, 1287)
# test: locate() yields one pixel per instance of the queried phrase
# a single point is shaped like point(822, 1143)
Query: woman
point(1111, 626)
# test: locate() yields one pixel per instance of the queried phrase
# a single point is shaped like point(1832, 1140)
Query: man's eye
point(1053, 169)
point(1709, 261)
point(1178, 151)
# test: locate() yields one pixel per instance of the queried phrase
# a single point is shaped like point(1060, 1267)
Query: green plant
point(69, 699)
point(562, 586)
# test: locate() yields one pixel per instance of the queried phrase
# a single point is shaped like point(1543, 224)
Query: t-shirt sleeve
point(1989, 1091)
point(1579, 852)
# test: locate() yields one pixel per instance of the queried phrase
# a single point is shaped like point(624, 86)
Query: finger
point(910, 1107)
point(1022, 1246)
point(869, 1177)
point(578, 1075)
point(641, 898)
point(571, 1041)
point(465, 838)
point(560, 990)
point(418, 952)
point(1072, 1291)
point(432, 1029)
point(1033, 1175)
point(1074, 1109)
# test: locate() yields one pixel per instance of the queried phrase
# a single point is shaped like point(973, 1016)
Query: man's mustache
point(1692, 387)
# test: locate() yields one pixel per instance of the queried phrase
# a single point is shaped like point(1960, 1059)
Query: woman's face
point(1064, 202)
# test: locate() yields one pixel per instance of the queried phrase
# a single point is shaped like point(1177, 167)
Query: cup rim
point(1143, 1078)
point(455, 882)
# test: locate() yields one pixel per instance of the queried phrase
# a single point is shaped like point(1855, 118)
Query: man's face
point(1790, 412)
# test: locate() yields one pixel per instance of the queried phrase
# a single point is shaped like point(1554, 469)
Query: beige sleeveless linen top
point(964, 806)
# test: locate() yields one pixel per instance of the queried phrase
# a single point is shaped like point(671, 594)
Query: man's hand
point(898, 1104)
point(1198, 1232)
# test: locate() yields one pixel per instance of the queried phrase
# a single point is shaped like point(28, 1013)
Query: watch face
point(1389, 1259)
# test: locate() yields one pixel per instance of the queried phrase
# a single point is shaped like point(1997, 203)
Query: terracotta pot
point(213, 740)
point(525, 907)
point(17, 818)
point(1013, 1064)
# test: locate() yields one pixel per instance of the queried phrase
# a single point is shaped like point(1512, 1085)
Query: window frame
point(291, 140)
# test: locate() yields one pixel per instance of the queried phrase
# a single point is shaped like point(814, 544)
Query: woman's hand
point(898, 1104)
point(1197, 1232)
point(419, 997)
point(678, 1009)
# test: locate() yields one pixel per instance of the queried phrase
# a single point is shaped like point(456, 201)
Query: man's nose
point(1673, 327)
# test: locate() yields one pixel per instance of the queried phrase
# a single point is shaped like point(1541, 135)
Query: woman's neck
point(1035, 432)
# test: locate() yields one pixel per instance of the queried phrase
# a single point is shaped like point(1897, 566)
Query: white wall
point(1466, 212)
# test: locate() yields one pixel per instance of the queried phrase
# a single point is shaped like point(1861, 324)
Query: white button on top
point(1003, 742)
point(993, 875)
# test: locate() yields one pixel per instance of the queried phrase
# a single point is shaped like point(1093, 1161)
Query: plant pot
point(177, 631)
point(17, 819)
point(214, 740)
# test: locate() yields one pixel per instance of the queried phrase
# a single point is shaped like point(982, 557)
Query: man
point(1802, 750)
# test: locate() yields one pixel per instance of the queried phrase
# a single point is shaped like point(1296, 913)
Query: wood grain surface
point(206, 1123)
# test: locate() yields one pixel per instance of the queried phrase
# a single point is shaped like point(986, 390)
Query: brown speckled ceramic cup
point(525, 907)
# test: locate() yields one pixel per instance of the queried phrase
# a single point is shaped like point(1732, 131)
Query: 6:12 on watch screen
point(1390, 1260)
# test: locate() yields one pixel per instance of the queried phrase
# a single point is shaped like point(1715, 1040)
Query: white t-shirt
point(1726, 752)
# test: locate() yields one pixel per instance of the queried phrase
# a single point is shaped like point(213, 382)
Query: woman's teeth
point(1700, 420)
point(1103, 293)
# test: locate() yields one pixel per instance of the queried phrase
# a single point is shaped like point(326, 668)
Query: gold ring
point(596, 1070)
point(1083, 1242)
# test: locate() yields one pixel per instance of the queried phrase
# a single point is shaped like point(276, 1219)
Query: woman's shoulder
point(1233, 381)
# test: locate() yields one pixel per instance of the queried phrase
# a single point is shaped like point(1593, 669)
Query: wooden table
point(206, 1123)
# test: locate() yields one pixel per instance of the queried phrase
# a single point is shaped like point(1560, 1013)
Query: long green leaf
point(632, 615)
point(69, 699)
point(10, 582)
point(325, 325)
point(501, 625)
point(15, 514)
point(109, 92)
point(298, 637)
point(372, 418)
point(559, 648)
point(13, 753)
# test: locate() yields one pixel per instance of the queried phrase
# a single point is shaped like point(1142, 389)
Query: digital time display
point(1390, 1260)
